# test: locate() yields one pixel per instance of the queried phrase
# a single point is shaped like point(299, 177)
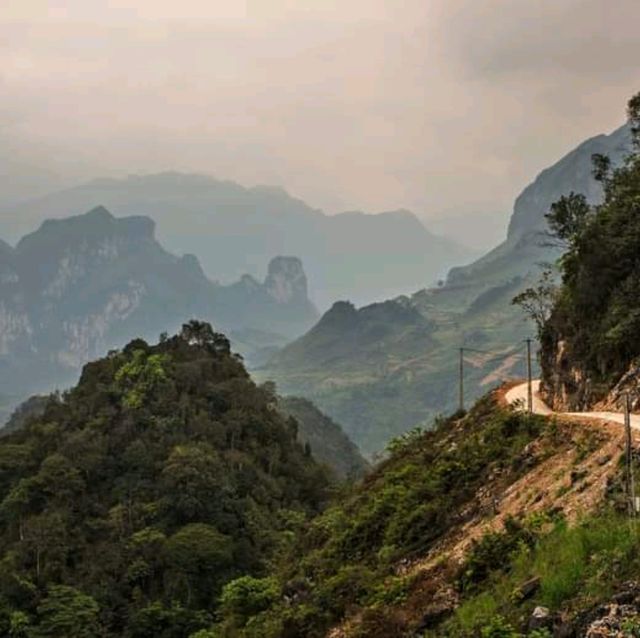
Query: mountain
point(572, 173)
point(80, 286)
point(132, 499)
point(234, 230)
point(496, 524)
point(524, 246)
point(590, 342)
point(361, 336)
point(379, 388)
point(326, 439)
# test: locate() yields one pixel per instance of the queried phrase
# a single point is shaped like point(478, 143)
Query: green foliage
point(129, 502)
point(67, 612)
point(248, 596)
point(19, 624)
point(407, 439)
point(139, 375)
point(631, 627)
point(494, 551)
point(577, 566)
point(499, 628)
point(328, 442)
point(597, 312)
point(346, 558)
point(537, 301)
point(569, 218)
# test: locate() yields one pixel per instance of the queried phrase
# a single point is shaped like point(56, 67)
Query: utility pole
point(631, 488)
point(529, 382)
point(461, 380)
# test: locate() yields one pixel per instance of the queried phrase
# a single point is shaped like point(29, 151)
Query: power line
point(494, 357)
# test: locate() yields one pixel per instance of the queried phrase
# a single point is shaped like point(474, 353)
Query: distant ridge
point(381, 376)
point(234, 230)
point(78, 287)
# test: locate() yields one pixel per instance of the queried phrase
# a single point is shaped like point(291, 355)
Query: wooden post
point(461, 377)
point(529, 380)
point(631, 488)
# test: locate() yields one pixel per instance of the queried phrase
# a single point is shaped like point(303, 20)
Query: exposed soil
point(569, 470)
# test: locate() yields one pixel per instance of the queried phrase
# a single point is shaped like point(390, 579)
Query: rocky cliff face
point(565, 386)
point(523, 250)
point(80, 286)
point(236, 230)
point(572, 173)
point(286, 281)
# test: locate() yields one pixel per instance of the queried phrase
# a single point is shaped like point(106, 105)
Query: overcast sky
point(445, 107)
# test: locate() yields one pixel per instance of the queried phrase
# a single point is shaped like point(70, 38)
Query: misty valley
point(236, 402)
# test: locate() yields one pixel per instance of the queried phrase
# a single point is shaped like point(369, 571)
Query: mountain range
point(78, 287)
point(381, 373)
point(82, 285)
point(236, 230)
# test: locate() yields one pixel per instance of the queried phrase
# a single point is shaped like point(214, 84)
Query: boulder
point(540, 619)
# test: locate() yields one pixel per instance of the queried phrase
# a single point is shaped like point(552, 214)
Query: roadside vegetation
point(573, 568)
point(595, 314)
point(348, 557)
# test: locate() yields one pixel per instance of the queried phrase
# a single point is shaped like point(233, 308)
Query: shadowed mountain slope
point(77, 287)
point(380, 387)
point(235, 230)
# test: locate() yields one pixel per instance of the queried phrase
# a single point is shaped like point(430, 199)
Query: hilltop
point(129, 502)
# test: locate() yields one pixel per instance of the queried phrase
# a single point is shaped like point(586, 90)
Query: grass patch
point(577, 566)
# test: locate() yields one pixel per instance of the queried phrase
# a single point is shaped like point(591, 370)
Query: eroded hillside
point(442, 536)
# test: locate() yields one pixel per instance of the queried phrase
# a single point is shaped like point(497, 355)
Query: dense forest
point(593, 333)
point(328, 442)
point(347, 559)
point(129, 503)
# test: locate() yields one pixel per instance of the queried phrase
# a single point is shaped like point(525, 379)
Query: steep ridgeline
point(133, 498)
point(389, 384)
point(591, 343)
point(234, 230)
point(327, 440)
point(488, 525)
point(79, 286)
point(524, 246)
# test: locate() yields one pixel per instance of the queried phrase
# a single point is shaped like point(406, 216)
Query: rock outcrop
point(286, 281)
point(572, 173)
point(77, 287)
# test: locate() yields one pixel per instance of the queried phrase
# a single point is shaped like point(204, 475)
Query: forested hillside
point(463, 532)
point(593, 336)
point(130, 502)
point(327, 440)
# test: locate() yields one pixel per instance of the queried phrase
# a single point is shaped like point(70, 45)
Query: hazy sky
point(446, 107)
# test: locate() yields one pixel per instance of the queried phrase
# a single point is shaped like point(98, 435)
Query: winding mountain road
point(518, 394)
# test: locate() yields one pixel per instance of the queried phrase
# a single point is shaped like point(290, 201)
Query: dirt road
point(518, 394)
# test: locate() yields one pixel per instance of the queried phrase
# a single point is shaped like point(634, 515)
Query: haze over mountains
point(77, 287)
point(236, 230)
point(80, 286)
point(379, 375)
